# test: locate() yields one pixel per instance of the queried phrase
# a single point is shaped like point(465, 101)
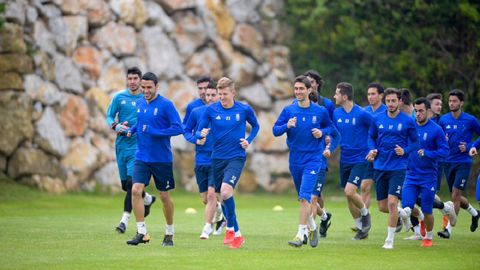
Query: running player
point(202, 85)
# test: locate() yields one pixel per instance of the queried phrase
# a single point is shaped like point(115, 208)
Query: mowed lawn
point(76, 231)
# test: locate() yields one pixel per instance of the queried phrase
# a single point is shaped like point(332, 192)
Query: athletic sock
point(421, 216)
point(449, 227)
point(416, 229)
point(125, 218)
point(231, 218)
point(311, 223)
point(438, 204)
point(147, 200)
point(169, 230)
point(238, 233)
point(390, 233)
point(301, 231)
point(142, 228)
point(364, 211)
point(358, 223)
point(324, 215)
point(472, 210)
point(429, 235)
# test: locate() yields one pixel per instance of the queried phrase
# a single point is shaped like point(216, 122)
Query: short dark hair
point(390, 91)
point(134, 70)
point(149, 76)
point(346, 89)
point(433, 96)
point(314, 75)
point(212, 85)
point(458, 93)
point(204, 79)
point(422, 100)
point(377, 86)
point(303, 79)
point(406, 96)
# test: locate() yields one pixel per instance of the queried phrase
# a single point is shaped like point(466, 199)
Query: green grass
point(76, 231)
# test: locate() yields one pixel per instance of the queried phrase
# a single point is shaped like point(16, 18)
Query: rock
point(46, 9)
point(107, 178)
point(256, 95)
point(97, 121)
point(222, 18)
point(278, 58)
point(158, 17)
point(50, 136)
point(98, 12)
point(278, 88)
point(16, 120)
point(3, 164)
point(72, 182)
point(165, 62)
point(180, 93)
point(123, 44)
point(45, 65)
point(134, 61)
point(272, 8)
point(37, 111)
point(15, 11)
point(248, 181)
point(174, 5)
point(242, 69)
point(74, 115)
point(29, 161)
point(31, 15)
point(105, 146)
point(69, 6)
point(99, 98)
point(20, 63)
point(179, 143)
point(225, 50)
point(43, 91)
point(189, 33)
point(89, 59)
point(271, 30)
point(132, 12)
point(245, 10)
point(11, 39)
point(112, 77)
point(282, 184)
point(45, 183)
point(265, 165)
point(81, 158)
point(43, 38)
point(67, 75)
point(205, 62)
point(67, 30)
point(247, 39)
point(11, 81)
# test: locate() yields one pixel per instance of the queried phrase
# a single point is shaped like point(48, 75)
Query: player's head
point(435, 100)
point(202, 84)
point(302, 88)
point(149, 86)
point(456, 97)
point(405, 100)
point(343, 92)
point(211, 94)
point(134, 76)
point(226, 92)
point(375, 94)
point(422, 105)
point(392, 99)
point(315, 80)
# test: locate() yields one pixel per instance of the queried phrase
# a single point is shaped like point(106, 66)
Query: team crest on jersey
point(353, 121)
point(390, 126)
point(155, 112)
point(138, 110)
point(454, 126)
point(218, 117)
point(347, 121)
point(381, 126)
point(303, 119)
point(339, 120)
point(314, 119)
point(399, 127)
point(237, 117)
point(123, 102)
point(134, 103)
point(425, 135)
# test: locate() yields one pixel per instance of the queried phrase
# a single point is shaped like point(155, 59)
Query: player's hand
point(317, 133)
point(292, 122)
point(399, 150)
point(129, 133)
point(421, 152)
point(473, 151)
point(327, 139)
point(462, 147)
point(244, 143)
point(204, 132)
point(371, 155)
point(201, 141)
point(122, 128)
point(327, 153)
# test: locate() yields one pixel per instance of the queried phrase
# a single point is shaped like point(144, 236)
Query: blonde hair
point(225, 82)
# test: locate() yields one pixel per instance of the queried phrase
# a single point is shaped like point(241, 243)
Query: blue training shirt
point(353, 127)
point(328, 104)
point(379, 110)
point(192, 105)
point(228, 126)
point(202, 152)
point(385, 133)
point(457, 131)
point(157, 121)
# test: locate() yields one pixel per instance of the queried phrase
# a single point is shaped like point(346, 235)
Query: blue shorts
point(162, 174)
point(457, 175)
point(304, 178)
point(440, 169)
point(318, 188)
point(352, 173)
point(388, 183)
point(369, 171)
point(125, 162)
point(204, 175)
point(477, 194)
point(227, 171)
point(412, 188)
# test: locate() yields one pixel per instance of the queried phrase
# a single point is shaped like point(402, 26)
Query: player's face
point(301, 91)
point(149, 90)
point(392, 102)
point(202, 88)
point(436, 106)
point(454, 103)
point(133, 82)
point(211, 95)
point(373, 96)
point(339, 98)
point(313, 83)
point(226, 96)
point(421, 113)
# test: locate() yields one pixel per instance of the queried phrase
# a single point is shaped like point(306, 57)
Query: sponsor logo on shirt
point(134, 103)
point(381, 126)
point(448, 127)
point(123, 102)
point(339, 120)
point(313, 172)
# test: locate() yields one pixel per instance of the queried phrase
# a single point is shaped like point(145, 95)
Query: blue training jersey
point(476, 144)
point(459, 131)
point(328, 104)
point(432, 140)
point(353, 127)
point(157, 121)
point(124, 107)
point(379, 110)
point(192, 105)
point(303, 146)
point(385, 133)
point(228, 126)
point(202, 152)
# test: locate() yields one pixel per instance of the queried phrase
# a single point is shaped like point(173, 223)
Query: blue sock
point(225, 213)
point(231, 217)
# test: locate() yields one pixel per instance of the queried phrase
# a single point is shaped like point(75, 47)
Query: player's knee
point(211, 197)
point(365, 187)
point(349, 192)
point(137, 191)
point(165, 197)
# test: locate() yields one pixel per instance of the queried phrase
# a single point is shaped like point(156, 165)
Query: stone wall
point(61, 61)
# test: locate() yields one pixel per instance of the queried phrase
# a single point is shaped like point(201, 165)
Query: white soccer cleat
point(388, 245)
point(450, 211)
point(218, 214)
point(414, 237)
point(219, 227)
point(207, 230)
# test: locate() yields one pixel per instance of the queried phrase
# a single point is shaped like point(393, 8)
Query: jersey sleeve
point(204, 122)
point(189, 130)
point(112, 111)
point(442, 146)
point(175, 128)
point(413, 144)
point(372, 135)
point(252, 120)
point(280, 125)
point(476, 129)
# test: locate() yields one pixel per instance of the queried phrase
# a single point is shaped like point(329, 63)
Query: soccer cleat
point(296, 242)
point(444, 234)
point(167, 240)
point(354, 229)
point(313, 237)
point(218, 214)
point(366, 223)
point(121, 228)
point(414, 237)
point(237, 242)
point(229, 236)
point(139, 239)
point(474, 225)
point(452, 216)
point(147, 207)
point(426, 243)
point(324, 225)
point(219, 227)
point(406, 223)
point(305, 239)
point(388, 245)
point(423, 230)
point(399, 225)
point(207, 230)
point(360, 235)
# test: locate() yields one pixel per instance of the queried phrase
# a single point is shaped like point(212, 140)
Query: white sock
point(429, 235)
point(311, 223)
point(390, 234)
point(416, 229)
point(208, 226)
point(169, 230)
point(142, 227)
point(238, 233)
point(301, 231)
point(364, 211)
point(421, 216)
point(472, 210)
point(125, 218)
point(147, 200)
point(358, 223)
point(324, 215)
point(229, 228)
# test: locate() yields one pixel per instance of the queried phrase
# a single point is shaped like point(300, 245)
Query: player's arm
point(476, 129)
point(175, 128)
point(326, 126)
point(189, 130)
point(442, 147)
point(281, 125)
point(372, 141)
point(413, 144)
point(112, 113)
point(252, 120)
point(202, 129)
point(188, 111)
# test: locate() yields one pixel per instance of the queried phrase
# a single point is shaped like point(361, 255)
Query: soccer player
point(392, 136)
point(305, 123)
point(421, 177)
point(202, 85)
point(316, 82)
point(435, 111)
point(203, 164)
point(226, 121)
point(406, 105)
point(353, 124)
point(121, 114)
point(472, 153)
point(459, 128)
point(157, 121)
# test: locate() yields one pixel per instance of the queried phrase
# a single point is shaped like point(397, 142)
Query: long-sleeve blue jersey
point(432, 140)
point(157, 121)
point(459, 131)
point(328, 104)
point(353, 127)
point(304, 147)
point(385, 133)
point(202, 152)
point(476, 144)
point(124, 107)
point(379, 110)
point(192, 105)
point(227, 127)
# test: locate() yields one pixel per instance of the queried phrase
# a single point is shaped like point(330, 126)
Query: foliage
point(2, 11)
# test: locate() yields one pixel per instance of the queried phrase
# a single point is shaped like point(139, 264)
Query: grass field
point(76, 231)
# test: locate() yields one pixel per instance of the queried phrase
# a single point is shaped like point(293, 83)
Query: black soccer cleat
point(121, 228)
point(360, 235)
point(444, 234)
point(139, 239)
point(147, 207)
point(399, 225)
point(167, 241)
point(474, 225)
point(324, 225)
